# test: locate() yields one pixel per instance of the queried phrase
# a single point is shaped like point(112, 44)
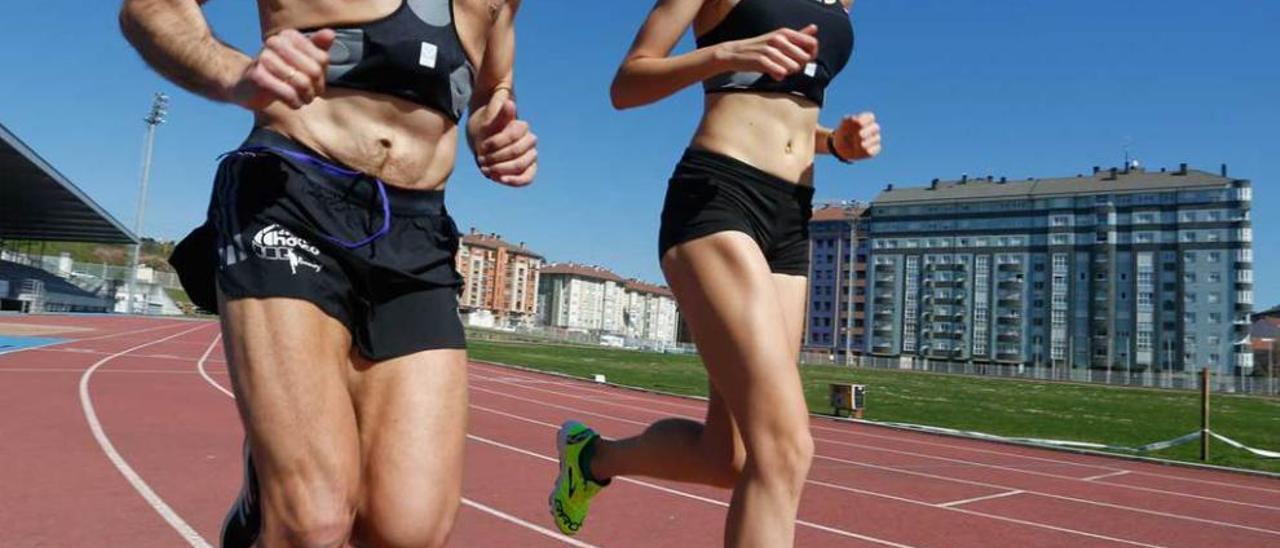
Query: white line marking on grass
point(86, 403)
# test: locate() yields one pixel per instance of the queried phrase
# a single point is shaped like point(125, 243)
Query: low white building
point(651, 312)
point(580, 297)
point(592, 299)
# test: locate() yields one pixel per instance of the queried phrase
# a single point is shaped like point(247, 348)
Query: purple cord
point(341, 172)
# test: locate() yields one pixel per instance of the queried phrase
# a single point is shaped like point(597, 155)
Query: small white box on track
point(600, 379)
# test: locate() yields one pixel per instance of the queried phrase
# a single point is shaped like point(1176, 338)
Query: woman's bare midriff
point(400, 142)
point(773, 132)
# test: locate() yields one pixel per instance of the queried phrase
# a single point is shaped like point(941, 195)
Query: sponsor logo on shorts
point(276, 243)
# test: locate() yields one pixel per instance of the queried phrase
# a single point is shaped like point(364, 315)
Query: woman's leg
point(743, 320)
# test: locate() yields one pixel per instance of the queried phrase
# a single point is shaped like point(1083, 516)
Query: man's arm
point(505, 149)
point(173, 37)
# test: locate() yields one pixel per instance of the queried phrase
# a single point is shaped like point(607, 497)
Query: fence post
point(1204, 415)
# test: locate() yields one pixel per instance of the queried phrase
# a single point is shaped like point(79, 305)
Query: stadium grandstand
point(39, 205)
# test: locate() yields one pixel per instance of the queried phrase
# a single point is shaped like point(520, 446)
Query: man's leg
point(412, 414)
point(288, 364)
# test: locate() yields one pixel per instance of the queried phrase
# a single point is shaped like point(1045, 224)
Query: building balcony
point(1009, 336)
point(882, 328)
point(1010, 357)
point(1010, 299)
point(883, 349)
point(1009, 267)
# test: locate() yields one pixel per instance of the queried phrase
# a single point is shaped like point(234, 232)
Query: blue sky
point(1001, 87)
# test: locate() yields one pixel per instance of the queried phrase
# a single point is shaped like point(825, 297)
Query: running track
point(127, 436)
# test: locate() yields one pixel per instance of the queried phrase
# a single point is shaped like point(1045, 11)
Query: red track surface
point(126, 436)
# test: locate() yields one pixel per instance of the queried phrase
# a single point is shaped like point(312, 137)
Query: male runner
point(329, 253)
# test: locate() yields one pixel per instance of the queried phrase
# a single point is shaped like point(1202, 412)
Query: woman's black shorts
point(283, 222)
point(712, 193)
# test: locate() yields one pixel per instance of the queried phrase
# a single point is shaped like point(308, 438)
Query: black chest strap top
point(414, 54)
point(751, 18)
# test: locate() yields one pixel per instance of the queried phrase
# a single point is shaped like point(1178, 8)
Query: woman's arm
point(173, 37)
point(650, 73)
point(857, 138)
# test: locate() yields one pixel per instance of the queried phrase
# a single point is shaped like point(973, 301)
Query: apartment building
point(1121, 269)
point(581, 297)
point(650, 313)
point(836, 317)
point(501, 281)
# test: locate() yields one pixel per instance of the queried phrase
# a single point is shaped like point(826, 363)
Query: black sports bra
point(751, 18)
point(414, 54)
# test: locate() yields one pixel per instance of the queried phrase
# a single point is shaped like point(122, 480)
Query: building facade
point(1124, 269)
point(582, 298)
point(650, 313)
point(595, 300)
point(501, 281)
point(836, 318)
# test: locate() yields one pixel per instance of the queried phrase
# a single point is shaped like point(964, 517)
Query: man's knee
point(313, 523)
point(309, 509)
point(386, 524)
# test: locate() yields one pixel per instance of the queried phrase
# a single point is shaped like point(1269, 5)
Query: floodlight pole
point(159, 106)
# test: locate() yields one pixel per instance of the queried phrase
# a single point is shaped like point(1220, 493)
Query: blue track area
point(9, 344)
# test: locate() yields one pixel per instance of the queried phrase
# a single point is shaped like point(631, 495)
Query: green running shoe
point(572, 493)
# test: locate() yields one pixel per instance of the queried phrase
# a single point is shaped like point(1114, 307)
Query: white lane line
point(1105, 476)
point(503, 515)
point(492, 511)
point(919, 455)
point(684, 494)
point(59, 344)
point(844, 488)
point(205, 374)
point(980, 499)
point(663, 399)
point(925, 474)
point(86, 403)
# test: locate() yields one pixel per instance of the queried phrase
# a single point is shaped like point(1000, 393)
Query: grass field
point(1076, 412)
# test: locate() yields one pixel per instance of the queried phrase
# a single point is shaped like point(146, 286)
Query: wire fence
point(1170, 379)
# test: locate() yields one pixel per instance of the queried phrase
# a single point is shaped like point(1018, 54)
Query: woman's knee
point(785, 456)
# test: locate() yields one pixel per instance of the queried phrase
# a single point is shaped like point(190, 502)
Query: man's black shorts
point(283, 222)
point(710, 193)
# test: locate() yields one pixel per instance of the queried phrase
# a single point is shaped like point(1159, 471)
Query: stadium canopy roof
point(39, 203)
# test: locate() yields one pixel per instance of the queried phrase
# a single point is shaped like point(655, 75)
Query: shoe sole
point(562, 442)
